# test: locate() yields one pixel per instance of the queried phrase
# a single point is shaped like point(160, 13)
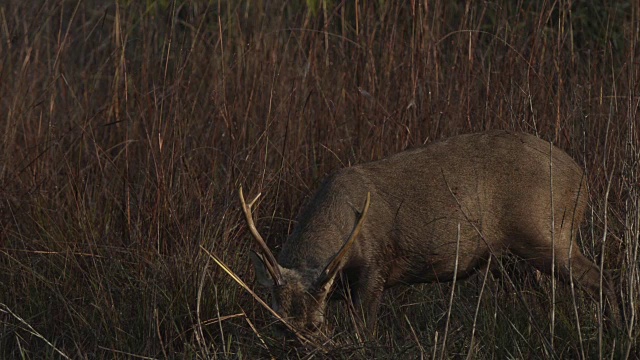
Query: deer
point(430, 214)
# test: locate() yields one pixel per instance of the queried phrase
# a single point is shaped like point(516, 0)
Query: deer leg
point(366, 300)
point(572, 265)
point(587, 275)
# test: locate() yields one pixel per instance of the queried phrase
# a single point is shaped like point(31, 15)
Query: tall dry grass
point(128, 126)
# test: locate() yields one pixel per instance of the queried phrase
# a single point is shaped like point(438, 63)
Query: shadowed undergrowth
point(127, 128)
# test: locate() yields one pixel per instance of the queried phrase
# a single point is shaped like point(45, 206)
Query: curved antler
point(334, 265)
point(270, 263)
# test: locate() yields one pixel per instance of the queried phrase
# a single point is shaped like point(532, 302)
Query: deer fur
point(502, 190)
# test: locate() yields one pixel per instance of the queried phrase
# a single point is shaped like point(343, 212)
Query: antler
point(334, 265)
point(270, 263)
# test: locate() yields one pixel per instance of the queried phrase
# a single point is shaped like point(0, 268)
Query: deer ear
point(262, 274)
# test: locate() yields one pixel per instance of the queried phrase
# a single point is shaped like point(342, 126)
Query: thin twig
point(453, 288)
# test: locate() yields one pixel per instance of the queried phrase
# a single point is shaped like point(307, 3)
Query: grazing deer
point(462, 199)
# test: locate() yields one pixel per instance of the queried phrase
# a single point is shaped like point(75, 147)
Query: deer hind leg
point(572, 265)
point(587, 275)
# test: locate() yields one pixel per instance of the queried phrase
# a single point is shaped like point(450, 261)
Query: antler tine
point(252, 201)
point(270, 263)
point(334, 265)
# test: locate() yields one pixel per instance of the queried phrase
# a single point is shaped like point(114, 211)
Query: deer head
point(298, 296)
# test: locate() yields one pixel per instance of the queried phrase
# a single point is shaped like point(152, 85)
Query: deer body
point(462, 199)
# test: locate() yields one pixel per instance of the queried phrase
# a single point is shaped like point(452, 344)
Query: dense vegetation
point(126, 128)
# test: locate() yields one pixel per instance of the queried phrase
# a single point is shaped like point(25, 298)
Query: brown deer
point(462, 199)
